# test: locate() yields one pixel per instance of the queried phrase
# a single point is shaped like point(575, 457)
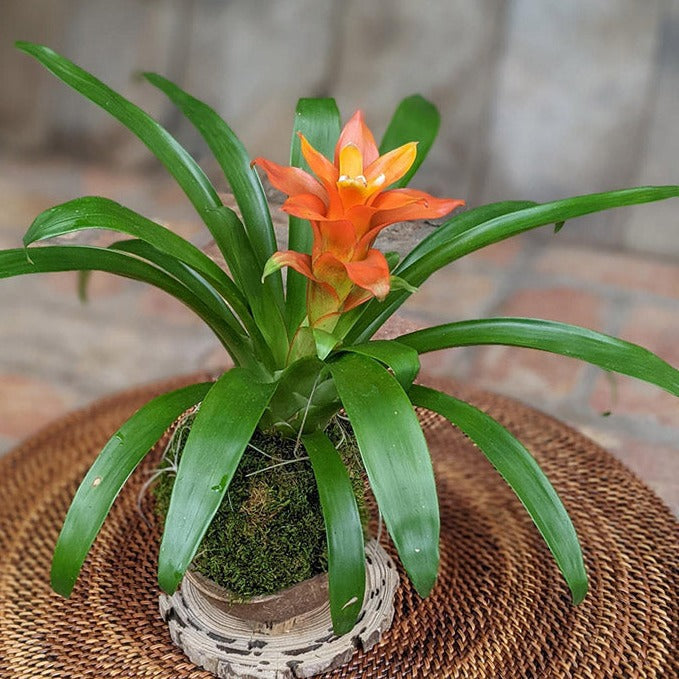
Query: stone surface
point(449, 295)
point(654, 228)
point(553, 133)
point(446, 53)
point(25, 105)
point(253, 60)
point(115, 41)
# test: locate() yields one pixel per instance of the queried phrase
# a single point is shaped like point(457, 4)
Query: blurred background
point(540, 99)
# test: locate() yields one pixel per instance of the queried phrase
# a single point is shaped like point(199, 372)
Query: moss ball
point(268, 533)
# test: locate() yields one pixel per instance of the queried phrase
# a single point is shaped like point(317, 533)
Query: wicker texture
point(500, 608)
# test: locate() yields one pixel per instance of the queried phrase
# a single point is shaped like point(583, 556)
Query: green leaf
point(402, 359)
point(415, 119)
point(492, 230)
point(325, 342)
point(100, 487)
point(252, 253)
point(346, 551)
point(93, 212)
point(397, 462)
point(157, 139)
point(235, 163)
point(83, 282)
point(319, 121)
point(393, 258)
point(605, 351)
point(398, 283)
point(85, 258)
point(516, 222)
point(223, 426)
point(523, 474)
point(459, 224)
point(305, 399)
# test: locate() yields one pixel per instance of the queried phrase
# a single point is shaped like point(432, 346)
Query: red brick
point(648, 403)
point(656, 329)
point(526, 373)
point(656, 465)
point(19, 209)
point(397, 325)
point(501, 254)
point(185, 228)
point(533, 374)
point(450, 295)
point(564, 304)
point(100, 284)
point(100, 180)
point(27, 404)
point(215, 359)
point(159, 304)
point(6, 444)
point(619, 270)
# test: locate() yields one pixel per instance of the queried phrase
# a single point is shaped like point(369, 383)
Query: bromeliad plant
point(303, 348)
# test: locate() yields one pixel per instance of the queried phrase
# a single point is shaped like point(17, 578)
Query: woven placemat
point(499, 610)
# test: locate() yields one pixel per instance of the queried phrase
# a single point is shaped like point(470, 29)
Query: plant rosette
point(302, 346)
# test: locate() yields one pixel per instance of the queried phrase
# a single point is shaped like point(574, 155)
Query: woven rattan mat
point(499, 610)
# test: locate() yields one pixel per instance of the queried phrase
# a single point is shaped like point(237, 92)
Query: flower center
point(359, 181)
point(353, 184)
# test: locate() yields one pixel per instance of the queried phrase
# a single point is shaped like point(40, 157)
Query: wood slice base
point(227, 645)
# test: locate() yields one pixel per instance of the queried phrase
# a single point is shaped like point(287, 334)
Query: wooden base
point(229, 647)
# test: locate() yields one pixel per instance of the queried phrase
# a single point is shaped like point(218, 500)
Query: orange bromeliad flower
point(348, 203)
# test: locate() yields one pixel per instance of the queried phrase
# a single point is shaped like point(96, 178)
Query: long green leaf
point(415, 119)
point(346, 551)
point(266, 297)
point(605, 351)
point(157, 139)
point(86, 258)
point(401, 358)
point(319, 121)
point(223, 426)
point(94, 212)
point(459, 224)
point(397, 462)
point(374, 314)
point(523, 474)
point(235, 163)
point(100, 487)
point(499, 228)
point(514, 223)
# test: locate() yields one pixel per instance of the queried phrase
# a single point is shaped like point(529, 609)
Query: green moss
point(268, 533)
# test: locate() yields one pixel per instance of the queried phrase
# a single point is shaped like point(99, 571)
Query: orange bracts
point(348, 203)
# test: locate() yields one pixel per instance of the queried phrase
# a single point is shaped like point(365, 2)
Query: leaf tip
point(61, 583)
point(579, 590)
point(169, 579)
point(23, 45)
